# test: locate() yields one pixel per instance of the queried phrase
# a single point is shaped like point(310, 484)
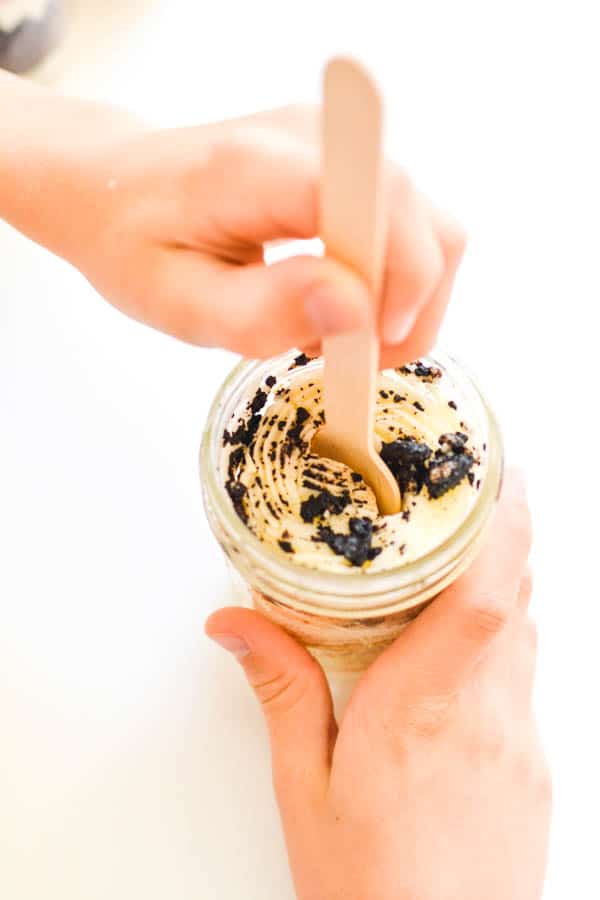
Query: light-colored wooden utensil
point(354, 230)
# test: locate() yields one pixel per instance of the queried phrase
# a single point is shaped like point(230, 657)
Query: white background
point(133, 762)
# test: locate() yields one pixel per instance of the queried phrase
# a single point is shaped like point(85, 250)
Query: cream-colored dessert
point(322, 515)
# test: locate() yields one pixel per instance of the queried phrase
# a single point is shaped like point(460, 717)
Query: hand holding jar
point(434, 785)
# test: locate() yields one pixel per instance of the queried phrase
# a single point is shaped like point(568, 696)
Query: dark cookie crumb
point(271, 509)
point(286, 546)
point(354, 546)
point(418, 406)
point(401, 549)
point(317, 504)
point(258, 401)
point(244, 433)
point(315, 469)
point(237, 492)
point(270, 381)
point(453, 443)
point(398, 398)
point(236, 458)
point(293, 437)
point(301, 360)
point(445, 473)
point(356, 478)
point(311, 485)
point(451, 463)
point(425, 373)
point(452, 404)
point(406, 459)
point(406, 515)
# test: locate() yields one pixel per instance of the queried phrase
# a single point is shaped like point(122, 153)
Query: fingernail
point(232, 643)
point(330, 312)
point(398, 324)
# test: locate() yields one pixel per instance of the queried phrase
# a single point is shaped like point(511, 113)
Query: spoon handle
point(353, 215)
point(354, 229)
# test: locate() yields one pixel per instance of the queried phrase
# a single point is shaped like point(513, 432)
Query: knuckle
point(486, 617)
point(277, 691)
point(211, 171)
point(232, 150)
point(428, 718)
point(284, 690)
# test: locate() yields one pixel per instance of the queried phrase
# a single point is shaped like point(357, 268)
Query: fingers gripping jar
point(348, 614)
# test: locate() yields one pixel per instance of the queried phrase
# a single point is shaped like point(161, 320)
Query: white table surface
point(133, 761)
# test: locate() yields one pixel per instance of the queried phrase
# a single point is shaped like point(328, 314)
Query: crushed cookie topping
point(425, 373)
point(355, 546)
point(292, 498)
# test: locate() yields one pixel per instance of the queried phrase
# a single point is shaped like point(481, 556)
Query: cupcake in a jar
point(29, 29)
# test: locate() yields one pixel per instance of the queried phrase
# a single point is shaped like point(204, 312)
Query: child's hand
point(435, 786)
point(170, 225)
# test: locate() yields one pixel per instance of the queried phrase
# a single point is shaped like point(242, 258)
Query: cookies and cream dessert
point(322, 515)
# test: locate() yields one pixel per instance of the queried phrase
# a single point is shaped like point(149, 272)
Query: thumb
point(295, 698)
point(257, 310)
point(292, 303)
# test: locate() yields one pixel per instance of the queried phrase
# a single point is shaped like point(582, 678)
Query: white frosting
point(274, 498)
point(13, 12)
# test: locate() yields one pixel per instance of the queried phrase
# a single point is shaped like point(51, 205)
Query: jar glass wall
point(345, 619)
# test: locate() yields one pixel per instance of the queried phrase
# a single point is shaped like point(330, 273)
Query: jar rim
point(325, 592)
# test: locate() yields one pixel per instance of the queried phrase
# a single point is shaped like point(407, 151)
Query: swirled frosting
point(317, 511)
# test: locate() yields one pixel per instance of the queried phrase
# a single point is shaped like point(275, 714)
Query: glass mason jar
point(344, 619)
point(29, 29)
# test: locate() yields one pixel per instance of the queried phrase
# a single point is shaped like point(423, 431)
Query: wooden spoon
point(354, 229)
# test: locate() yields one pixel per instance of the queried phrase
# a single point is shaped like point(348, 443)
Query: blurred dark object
point(26, 42)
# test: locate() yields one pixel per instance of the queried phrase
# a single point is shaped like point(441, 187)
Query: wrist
point(48, 189)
